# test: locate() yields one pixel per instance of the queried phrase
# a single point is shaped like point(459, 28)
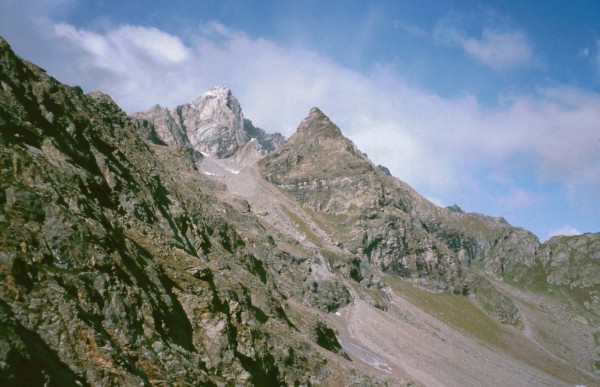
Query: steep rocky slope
point(118, 270)
point(383, 221)
point(382, 227)
point(188, 247)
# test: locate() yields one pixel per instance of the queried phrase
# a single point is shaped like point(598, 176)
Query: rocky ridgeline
point(116, 268)
point(212, 124)
point(385, 226)
point(122, 263)
point(384, 222)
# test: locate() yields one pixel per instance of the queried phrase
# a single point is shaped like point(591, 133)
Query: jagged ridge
point(385, 222)
point(121, 246)
point(118, 270)
point(213, 124)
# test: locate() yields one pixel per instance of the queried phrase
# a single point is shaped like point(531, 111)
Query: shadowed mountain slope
point(118, 270)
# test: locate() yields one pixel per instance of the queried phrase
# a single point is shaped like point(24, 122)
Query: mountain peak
point(315, 111)
point(136, 255)
point(4, 44)
point(219, 91)
point(318, 123)
point(213, 124)
point(218, 96)
point(317, 151)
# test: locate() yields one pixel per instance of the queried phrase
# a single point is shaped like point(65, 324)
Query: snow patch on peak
point(221, 92)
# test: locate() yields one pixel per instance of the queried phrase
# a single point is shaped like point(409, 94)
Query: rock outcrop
point(212, 124)
point(564, 264)
point(572, 260)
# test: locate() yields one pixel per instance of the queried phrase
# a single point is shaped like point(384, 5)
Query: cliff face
point(566, 265)
point(212, 124)
point(187, 246)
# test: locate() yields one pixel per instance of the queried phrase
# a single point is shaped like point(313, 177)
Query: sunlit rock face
point(212, 124)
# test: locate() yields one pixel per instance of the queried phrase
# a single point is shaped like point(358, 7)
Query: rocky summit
point(186, 246)
point(212, 124)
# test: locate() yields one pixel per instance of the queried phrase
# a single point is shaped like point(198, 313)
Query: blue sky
point(492, 105)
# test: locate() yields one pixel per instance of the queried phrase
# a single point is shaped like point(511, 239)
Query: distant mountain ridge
point(187, 246)
point(386, 222)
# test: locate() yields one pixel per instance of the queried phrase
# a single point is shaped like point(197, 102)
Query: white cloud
point(126, 45)
point(566, 231)
point(436, 144)
point(500, 50)
point(135, 65)
point(411, 29)
point(517, 199)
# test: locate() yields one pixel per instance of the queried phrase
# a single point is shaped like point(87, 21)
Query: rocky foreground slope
point(118, 270)
point(188, 247)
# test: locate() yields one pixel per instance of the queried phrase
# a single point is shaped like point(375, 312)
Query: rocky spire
point(318, 123)
point(213, 124)
point(317, 150)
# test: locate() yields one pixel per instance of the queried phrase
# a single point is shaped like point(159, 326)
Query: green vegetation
point(534, 279)
point(473, 225)
point(377, 298)
point(531, 278)
point(457, 311)
point(547, 338)
point(336, 218)
point(302, 226)
point(333, 258)
point(317, 217)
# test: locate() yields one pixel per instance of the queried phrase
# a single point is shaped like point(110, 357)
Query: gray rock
point(213, 124)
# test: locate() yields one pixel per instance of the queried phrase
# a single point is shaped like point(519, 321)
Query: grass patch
point(302, 226)
point(457, 311)
point(473, 225)
point(460, 313)
point(331, 226)
point(524, 277)
point(545, 337)
point(534, 279)
point(378, 300)
point(336, 218)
